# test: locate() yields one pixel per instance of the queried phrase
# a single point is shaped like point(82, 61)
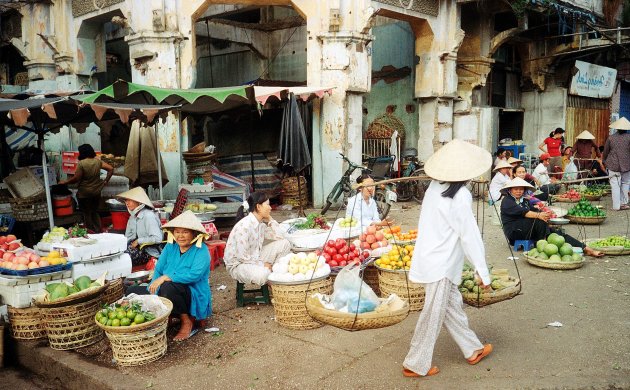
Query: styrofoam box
point(107, 244)
point(116, 267)
point(19, 291)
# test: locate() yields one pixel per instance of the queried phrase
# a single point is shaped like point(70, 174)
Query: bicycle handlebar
point(353, 165)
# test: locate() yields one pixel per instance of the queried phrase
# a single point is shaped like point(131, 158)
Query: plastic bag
point(351, 294)
point(570, 172)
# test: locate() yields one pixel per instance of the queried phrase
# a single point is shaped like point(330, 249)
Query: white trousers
point(258, 273)
point(619, 184)
point(443, 304)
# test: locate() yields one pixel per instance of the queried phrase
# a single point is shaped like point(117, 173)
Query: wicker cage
point(26, 324)
point(29, 209)
point(114, 291)
point(370, 276)
point(289, 303)
point(397, 282)
point(349, 321)
point(141, 344)
point(72, 326)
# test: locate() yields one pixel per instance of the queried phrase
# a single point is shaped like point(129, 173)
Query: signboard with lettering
point(593, 80)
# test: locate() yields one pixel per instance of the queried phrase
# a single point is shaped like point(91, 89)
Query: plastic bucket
point(62, 201)
point(63, 211)
point(119, 220)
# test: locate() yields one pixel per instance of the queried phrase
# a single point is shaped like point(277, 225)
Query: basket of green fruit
point(554, 253)
point(585, 213)
point(503, 287)
point(136, 331)
point(592, 194)
point(613, 245)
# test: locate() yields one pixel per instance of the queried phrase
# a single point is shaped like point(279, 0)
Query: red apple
point(371, 229)
point(3, 239)
point(8, 256)
point(14, 245)
point(379, 236)
point(11, 238)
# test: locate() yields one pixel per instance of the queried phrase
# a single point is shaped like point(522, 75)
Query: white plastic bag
point(351, 294)
point(570, 172)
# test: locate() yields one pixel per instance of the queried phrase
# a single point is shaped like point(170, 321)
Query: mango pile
point(58, 291)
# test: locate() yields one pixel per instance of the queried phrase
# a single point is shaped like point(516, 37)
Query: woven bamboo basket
point(554, 264)
point(72, 326)
point(562, 199)
point(295, 201)
point(29, 209)
point(485, 299)
point(199, 148)
point(114, 291)
point(592, 197)
point(349, 321)
point(608, 250)
point(290, 184)
point(206, 176)
point(26, 324)
point(397, 282)
point(585, 220)
point(114, 162)
point(140, 344)
point(289, 303)
point(370, 276)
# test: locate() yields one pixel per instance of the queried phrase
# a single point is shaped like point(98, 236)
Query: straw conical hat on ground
point(186, 220)
point(620, 124)
point(513, 160)
point(516, 182)
point(458, 161)
point(138, 195)
point(502, 164)
point(585, 135)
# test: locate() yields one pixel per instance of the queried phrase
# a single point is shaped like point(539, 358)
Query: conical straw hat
point(513, 160)
point(585, 135)
point(458, 161)
point(620, 124)
point(186, 220)
point(502, 164)
point(516, 182)
point(138, 195)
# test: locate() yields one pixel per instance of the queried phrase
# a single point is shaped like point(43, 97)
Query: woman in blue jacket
point(182, 273)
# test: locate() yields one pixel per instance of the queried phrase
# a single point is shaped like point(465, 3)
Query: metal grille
point(374, 147)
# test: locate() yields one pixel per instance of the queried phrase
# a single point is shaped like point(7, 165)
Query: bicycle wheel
point(419, 186)
point(381, 204)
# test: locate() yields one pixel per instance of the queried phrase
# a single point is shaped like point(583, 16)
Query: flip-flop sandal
point(487, 348)
point(192, 333)
point(410, 374)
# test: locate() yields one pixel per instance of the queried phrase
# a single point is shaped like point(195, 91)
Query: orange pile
point(395, 233)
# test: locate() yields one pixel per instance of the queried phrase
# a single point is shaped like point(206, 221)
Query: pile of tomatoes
point(338, 253)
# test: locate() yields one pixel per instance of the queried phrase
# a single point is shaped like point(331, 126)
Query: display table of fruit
point(136, 328)
point(571, 196)
point(585, 213)
point(503, 287)
point(554, 253)
point(613, 245)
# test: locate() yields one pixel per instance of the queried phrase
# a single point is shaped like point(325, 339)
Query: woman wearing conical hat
point(447, 231)
point(144, 230)
point(585, 153)
point(181, 273)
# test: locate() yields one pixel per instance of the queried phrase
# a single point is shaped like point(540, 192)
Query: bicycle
point(344, 188)
point(412, 188)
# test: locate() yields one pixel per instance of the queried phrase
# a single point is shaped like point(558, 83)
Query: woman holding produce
point(144, 229)
point(617, 161)
point(362, 206)
point(88, 177)
point(181, 273)
point(246, 258)
point(520, 172)
point(447, 232)
point(522, 222)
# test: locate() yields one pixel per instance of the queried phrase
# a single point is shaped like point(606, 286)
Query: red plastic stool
point(216, 248)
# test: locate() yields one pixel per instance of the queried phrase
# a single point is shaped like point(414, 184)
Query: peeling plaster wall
point(544, 111)
point(393, 45)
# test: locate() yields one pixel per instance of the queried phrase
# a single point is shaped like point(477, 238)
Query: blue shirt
point(191, 268)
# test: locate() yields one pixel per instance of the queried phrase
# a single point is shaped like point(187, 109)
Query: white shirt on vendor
point(498, 181)
point(447, 231)
point(541, 174)
point(246, 241)
point(366, 213)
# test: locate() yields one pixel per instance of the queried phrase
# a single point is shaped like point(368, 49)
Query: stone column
point(40, 41)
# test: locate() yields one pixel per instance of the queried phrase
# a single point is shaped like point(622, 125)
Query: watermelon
point(556, 239)
point(554, 258)
point(540, 245)
point(543, 256)
point(550, 249)
point(565, 249)
point(533, 252)
point(567, 258)
point(576, 257)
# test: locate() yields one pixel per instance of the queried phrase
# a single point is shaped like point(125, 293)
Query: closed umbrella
point(293, 149)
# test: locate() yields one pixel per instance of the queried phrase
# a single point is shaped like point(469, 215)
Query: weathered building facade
point(477, 70)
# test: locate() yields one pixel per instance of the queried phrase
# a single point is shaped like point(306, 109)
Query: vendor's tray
point(608, 250)
point(79, 297)
point(558, 221)
point(553, 264)
point(586, 220)
point(36, 271)
point(352, 321)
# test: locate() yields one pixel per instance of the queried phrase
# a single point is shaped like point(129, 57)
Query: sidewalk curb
point(68, 369)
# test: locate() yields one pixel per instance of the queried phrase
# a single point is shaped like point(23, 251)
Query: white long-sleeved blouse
point(246, 239)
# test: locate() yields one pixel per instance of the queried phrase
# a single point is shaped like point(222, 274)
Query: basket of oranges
point(396, 237)
point(393, 276)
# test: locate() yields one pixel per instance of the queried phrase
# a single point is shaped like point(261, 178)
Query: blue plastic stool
point(526, 244)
